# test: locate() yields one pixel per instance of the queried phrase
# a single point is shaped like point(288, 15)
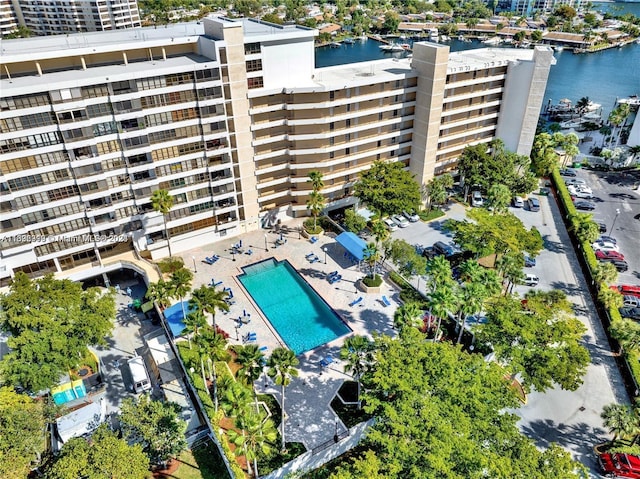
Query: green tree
point(353, 221)
point(160, 292)
point(256, 438)
point(443, 301)
point(619, 419)
point(22, 427)
point(609, 298)
point(627, 333)
point(214, 346)
point(605, 273)
point(315, 178)
point(247, 8)
point(371, 257)
point(405, 257)
point(436, 190)
point(408, 315)
point(180, 286)
point(357, 352)
point(103, 457)
point(519, 36)
point(499, 198)
point(282, 368)
point(51, 323)
point(388, 189)
point(618, 118)
point(540, 339)
point(536, 36)
point(315, 204)
point(251, 361)
point(434, 402)
point(543, 154)
point(210, 300)
point(155, 425)
point(391, 22)
point(192, 323)
point(583, 226)
point(162, 202)
point(273, 18)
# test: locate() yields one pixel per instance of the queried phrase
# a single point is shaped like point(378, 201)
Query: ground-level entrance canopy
point(353, 244)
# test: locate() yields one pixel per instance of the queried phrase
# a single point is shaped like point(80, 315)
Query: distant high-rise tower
point(53, 17)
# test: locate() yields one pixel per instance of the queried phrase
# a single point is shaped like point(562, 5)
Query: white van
point(139, 375)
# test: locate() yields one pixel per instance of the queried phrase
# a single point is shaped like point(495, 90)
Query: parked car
point(620, 465)
point(534, 204)
point(631, 313)
point(443, 248)
point(429, 252)
point(604, 246)
point(630, 301)
point(585, 205)
point(602, 227)
point(390, 224)
point(568, 172)
point(411, 216)
point(628, 289)
point(575, 181)
point(401, 221)
point(582, 194)
point(476, 199)
point(529, 262)
point(609, 255)
point(584, 188)
point(517, 202)
point(620, 264)
point(608, 239)
point(531, 280)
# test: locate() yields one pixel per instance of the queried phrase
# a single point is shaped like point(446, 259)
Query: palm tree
point(316, 180)
point(510, 267)
point(499, 197)
point(209, 300)
point(439, 272)
point(282, 368)
point(635, 151)
point(380, 231)
point(605, 273)
point(357, 351)
point(610, 298)
point(258, 437)
point(192, 323)
point(159, 292)
point(236, 400)
point(180, 285)
point(372, 256)
point(162, 202)
point(443, 300)
point(251, 361)
point(473, 296)
point(619, 419)
point(407, 315)
point(627, 333)
point(583, 103)
point(215, 345)
point(583, 226)
point(315, 204)
point(618, 118)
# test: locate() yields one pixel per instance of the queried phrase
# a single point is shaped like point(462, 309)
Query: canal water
point(601, 76)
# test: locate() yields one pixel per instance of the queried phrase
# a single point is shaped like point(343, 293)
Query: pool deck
point(310, 417)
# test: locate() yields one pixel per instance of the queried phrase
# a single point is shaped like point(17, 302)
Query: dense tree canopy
point(488, 165)
point(388, 189)
point(104, 457)
point(21, 433)
point(51, 322)
point(538, 338)
point(155, 426)
point(489, 234)
point(441, 413)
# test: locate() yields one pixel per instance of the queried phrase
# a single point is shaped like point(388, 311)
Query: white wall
point(287, 63)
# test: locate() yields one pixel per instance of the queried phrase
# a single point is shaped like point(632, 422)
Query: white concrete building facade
point(230, 116)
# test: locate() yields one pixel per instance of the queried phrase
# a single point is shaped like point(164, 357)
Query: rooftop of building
point(487, 57)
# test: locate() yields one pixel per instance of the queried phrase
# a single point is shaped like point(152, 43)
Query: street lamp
point(266, 247)
point(233, 253)
point(614, 220)
point(195, 268)
point(325, 255)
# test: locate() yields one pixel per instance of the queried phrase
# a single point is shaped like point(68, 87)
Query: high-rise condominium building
point(54, 17)
point(229, 116)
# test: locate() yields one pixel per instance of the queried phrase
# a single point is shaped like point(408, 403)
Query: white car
point(586, 195)
point(413, 217)
point(575, 189)
point(390, 224)
point(518, 202)
point(476, 198)
point(401, 221)
point(575, 181)
point(530, 280)
point(605, 246)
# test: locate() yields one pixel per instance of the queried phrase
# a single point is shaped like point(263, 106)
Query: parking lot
point(618, 207)
point(569, 418)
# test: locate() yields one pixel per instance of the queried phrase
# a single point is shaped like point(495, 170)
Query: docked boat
point(392, 47)
point(405, 46)
point(633, 100)
point(492, 41)
point(558, 48)
point(348, 41)
point(335, 44)
point(445, 38)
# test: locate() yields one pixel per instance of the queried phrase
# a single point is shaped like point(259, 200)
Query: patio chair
point(326, 361)
point(313, 239)
point(335, 279)
point(357, 301)
point(385, 301)
point(331, 275)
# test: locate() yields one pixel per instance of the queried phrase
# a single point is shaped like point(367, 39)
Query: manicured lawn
point(202, 463)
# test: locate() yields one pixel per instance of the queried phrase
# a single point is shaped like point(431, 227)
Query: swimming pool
point(175, 319)
point(301, 317)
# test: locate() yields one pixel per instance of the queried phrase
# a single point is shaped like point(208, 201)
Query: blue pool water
point(174, 317)
point(301, 317)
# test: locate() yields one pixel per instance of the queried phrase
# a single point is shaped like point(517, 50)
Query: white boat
point(335, 45)
point(571, 123)
point(392, 47)
point(461, 38)
point(559, 48)
point(444, 38)
point(632, 100)
point(492, 41)
point(348, 41)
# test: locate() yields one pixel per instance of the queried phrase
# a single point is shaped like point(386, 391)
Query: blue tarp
point(353, 244)
point(174, 317)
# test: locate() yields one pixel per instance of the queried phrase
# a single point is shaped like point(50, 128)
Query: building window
point(256, 82)
point(254, 65)
point(251, 48)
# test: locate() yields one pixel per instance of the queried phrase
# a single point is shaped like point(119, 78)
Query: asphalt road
point(569, 418)
point(614, 192)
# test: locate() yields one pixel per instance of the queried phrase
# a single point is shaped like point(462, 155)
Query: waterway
point(601, 76)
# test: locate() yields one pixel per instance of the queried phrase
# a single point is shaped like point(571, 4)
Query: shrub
point(430, 215)
point(408, 293)
point(308, 227)
point(372, 282)
point(171, 265)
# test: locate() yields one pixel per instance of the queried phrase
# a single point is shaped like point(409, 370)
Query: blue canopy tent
point(353, 244)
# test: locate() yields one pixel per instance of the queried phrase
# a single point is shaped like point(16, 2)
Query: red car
point(609, 255)
point(628, 289)
point(620, 465)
